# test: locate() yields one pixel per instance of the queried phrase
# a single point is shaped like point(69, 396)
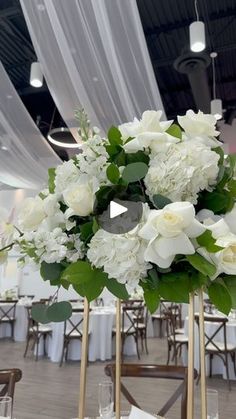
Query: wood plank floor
point(48, 392)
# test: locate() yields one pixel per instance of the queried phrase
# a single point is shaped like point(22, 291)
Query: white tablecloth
point(217, 364)
point(20, 323)
point(101, 344)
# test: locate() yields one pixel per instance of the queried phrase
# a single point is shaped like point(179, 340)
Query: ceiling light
point(197, 33)
point(62, 137)
point(36, 75)
point(216, 104)
point(4, 148)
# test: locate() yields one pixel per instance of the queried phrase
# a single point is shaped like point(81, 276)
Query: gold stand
point(202, 367)
point(84, 360)
point(202, 356)
point(118, 356)
point(190, 401)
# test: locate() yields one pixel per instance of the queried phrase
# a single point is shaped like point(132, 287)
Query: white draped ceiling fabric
point(25, 155)
point(93, 55)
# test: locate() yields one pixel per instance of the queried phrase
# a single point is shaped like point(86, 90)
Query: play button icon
point(116, 209)
point(120, 217)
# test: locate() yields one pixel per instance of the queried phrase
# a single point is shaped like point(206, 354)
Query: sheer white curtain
point(93, 55)
point(25, 155)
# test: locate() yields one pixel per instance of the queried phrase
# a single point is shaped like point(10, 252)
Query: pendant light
point(36, 75)
point(197, 33)
point(216, 104)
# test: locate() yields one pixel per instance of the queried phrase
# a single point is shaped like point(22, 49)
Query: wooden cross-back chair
point(157, 372)
point(163, 312)
point(175, 340)
point(8, 379)
point(8, 314)
point(36, 331)
point(72, 331)
point(131, 317)
point(216, 346)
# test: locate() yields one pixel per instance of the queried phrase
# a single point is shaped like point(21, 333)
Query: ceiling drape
point(93, 55)
point(25, 155)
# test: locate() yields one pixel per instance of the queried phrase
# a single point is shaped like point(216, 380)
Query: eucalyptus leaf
point(81, 272)
point(39, 313)
point(91, 289)
point(134, 172)
point(59, 311)
point(160, 201)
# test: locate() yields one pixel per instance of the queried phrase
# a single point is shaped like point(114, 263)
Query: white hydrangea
point(66, 173)
point(120, 255)
point(182, 171)
point(50, 246)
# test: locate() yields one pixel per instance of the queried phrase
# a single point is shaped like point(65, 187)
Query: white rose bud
point(31, 214)
point(80, 197)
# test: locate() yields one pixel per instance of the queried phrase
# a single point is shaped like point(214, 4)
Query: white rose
point(168, 232)
point(51, 204)
point(230, 219)
point(80, 197)
point(198, 124)
point(148, 132)
point(31, 213)
point(226, 258)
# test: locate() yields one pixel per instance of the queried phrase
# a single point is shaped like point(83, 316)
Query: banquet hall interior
point(69, 70)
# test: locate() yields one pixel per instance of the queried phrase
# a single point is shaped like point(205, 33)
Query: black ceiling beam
point(168, 27)
point(186, 87)
point(163, 62)
point(29, 90)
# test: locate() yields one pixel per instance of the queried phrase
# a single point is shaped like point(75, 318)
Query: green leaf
point(231, 185)
point(218, 202)
point(39, 313)
point(175, 287)
point(175, 131)
point(117, 289)
point(220, 297)
point(120, 158)
point(88, 282)
point(230, 283)
point(220, 151)
point(201, 264)
point(113, 173)
point(95, 225)
point(207, 240)
point(152, 299)
point(51, 179)
point(59, 312)
point(91, 289)
point(160, 201)
point(139, 156)
point(86, 231)
point(51, 271)
point(134, 172)
point(114, 136)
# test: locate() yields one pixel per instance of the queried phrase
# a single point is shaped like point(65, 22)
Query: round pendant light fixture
point(62, 137)
point(36, 75)
point(216, 104)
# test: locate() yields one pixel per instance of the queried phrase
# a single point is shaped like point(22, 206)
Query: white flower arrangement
point(186, 237)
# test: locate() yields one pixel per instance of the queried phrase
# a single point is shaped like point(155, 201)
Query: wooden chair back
point(221, 328)
point(131, 316)
point(8, 379)
point(8, 311)
point(159, 372)
point(71, 325)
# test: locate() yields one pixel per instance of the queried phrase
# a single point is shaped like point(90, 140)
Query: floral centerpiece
point(184, 240)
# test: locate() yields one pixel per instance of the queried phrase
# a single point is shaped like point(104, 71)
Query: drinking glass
point(105, 399)
point(5, 407)
point(212, 404)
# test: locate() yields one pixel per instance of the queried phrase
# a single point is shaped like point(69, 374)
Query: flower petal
point(195, 229)
point(218, 229)
point(184, 209)
point(151, 255)
point(180, 245)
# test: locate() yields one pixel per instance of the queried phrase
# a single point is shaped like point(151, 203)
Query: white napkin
point(139, 414)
